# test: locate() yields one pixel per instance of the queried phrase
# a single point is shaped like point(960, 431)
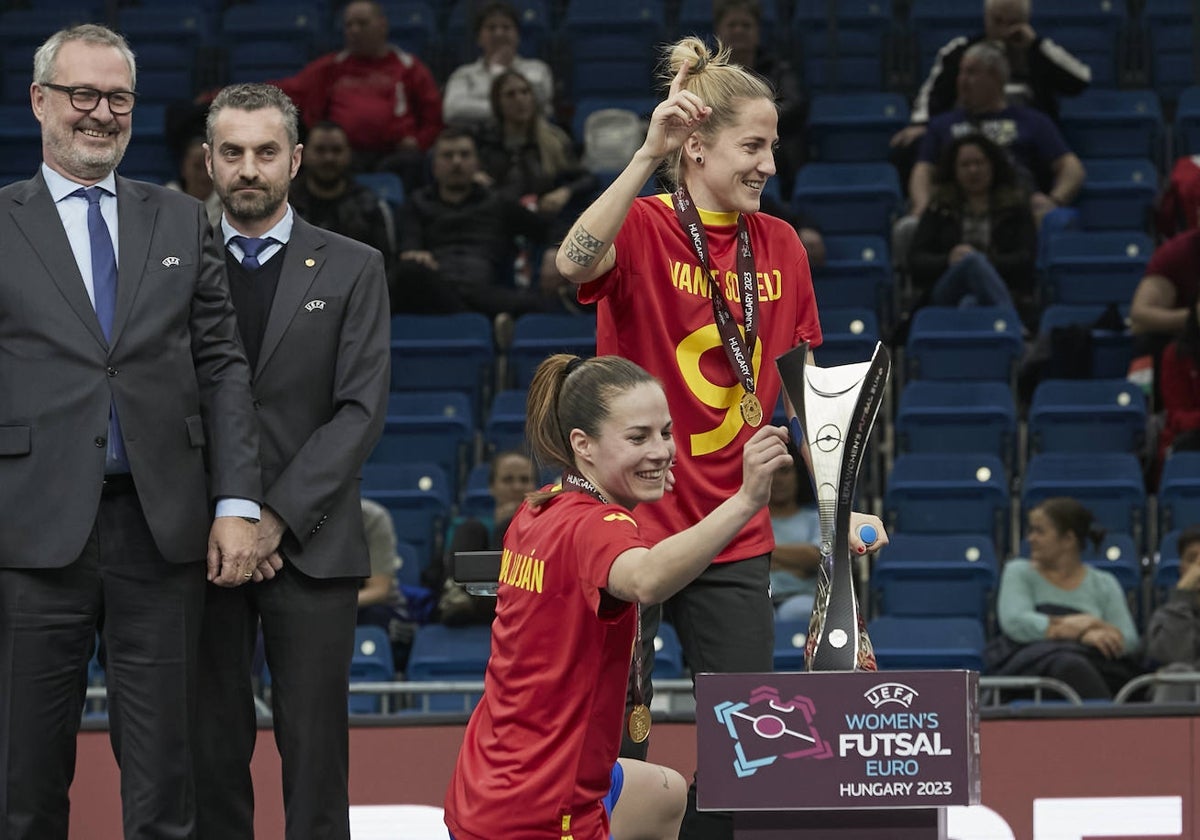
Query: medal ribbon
point(573, 481)
point(739, 351)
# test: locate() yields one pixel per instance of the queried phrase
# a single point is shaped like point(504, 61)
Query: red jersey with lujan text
point(654, 308)
point(538, 750)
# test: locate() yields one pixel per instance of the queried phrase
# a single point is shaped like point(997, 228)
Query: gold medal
point(751, 409)
point(639, 723)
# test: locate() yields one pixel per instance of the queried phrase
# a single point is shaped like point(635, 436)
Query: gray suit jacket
point(320, 392)
point(175, 370)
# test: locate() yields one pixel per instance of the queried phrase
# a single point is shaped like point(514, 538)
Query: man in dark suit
point(121, 381)
point(312, 310)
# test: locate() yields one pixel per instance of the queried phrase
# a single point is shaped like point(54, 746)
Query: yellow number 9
point(727, 397)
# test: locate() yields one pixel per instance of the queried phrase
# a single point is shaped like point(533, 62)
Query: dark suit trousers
point(308, 636)
point(150, 615)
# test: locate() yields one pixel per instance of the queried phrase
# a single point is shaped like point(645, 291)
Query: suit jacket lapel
point(135, 225)
point(302, 260)
point(37, 217)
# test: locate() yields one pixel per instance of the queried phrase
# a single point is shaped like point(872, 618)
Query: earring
point(699, 159)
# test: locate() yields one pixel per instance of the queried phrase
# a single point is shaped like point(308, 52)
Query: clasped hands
point(240, 551)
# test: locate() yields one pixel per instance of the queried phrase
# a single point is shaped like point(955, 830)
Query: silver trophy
point(831, 412)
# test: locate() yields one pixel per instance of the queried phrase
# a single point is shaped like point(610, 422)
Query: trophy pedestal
point(838, 755)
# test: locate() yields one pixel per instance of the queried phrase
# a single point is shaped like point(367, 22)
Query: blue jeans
point(972, 281)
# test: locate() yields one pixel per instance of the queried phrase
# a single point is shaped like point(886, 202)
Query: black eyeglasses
point(86, 99)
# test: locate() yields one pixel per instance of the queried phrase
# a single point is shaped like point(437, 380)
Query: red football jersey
point(538, 750)
point(654, 308)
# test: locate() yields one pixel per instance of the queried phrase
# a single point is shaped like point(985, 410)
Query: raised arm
point(586, 251)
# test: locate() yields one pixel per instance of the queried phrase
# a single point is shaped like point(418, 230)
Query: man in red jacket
point(384, 98)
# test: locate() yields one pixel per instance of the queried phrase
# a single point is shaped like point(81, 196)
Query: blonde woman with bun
point(663, 271)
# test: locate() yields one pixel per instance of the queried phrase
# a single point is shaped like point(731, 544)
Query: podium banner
point(837, 740)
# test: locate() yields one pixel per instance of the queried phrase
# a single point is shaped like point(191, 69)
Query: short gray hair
point(991, 57)
point(254, 97)
point(89, 33)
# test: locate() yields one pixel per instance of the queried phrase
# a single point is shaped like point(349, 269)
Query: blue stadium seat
point(148, 155)
point(20, 140)
point(1112, 350)
point(668, 653)
point(449, 654)
point(1109, 484)
point(911, 642)
point(165, 39)
point(641, 105)
point(790, 639)
point(432, 426)
point(1179, 491)
point(856, 198)
point(1166, 569)
point(935, 575)
point(1094, 31)
point(432, 352)
point(969, 344)
point(1187, 123)
point(1170, 28)
point(962, 417)
point(23, 28)
point(505, 427)
point(371, 663)
point(413, 26)
point(538, 335)
point(1118, 194)
point(613, 46)
point(934, 23)
point(418, 498)
point(855, 127)
point(696, 18)
point(1087, 415)
point(386, 185)
point(1095, 266)
point(857, 272)
point(853, 52)
point(477, 493)
point(409, 572)
point(268, 40)
point(1113, 123)
point(849, 334)
point(948, 494)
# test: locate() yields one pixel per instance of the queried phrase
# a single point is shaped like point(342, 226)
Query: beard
point(252, 206)
point(82, 162)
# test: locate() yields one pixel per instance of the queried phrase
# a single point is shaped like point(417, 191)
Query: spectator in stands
point(459, 241)
point(645, 264)
point(1040, 70)
point(380, 601)
point(468, 100)
point(1060, 617)
point(326, 195)
point(738, 25)
point(1166, 297)
point(1173, 634)
point(797, 553)
point(526, 158)
point(1180, 391)
point(511, 475)
point(578, 568)
point(975, 242)
point(384, 98)
point(194, 179)
point(1047, 167)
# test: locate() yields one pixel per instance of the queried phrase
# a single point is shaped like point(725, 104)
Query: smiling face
point(737, 160)
point(83, 146)
point(628, 459)
point(252, 166)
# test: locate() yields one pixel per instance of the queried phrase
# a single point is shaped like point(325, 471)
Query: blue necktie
point(104, 291)
point(251, 248)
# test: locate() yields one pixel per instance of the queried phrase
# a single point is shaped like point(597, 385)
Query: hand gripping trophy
point(831, 413)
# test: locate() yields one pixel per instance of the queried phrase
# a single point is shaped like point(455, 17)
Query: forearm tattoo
point(583, 248)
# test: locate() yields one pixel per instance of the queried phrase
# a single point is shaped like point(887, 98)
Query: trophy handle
point(831, 414)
